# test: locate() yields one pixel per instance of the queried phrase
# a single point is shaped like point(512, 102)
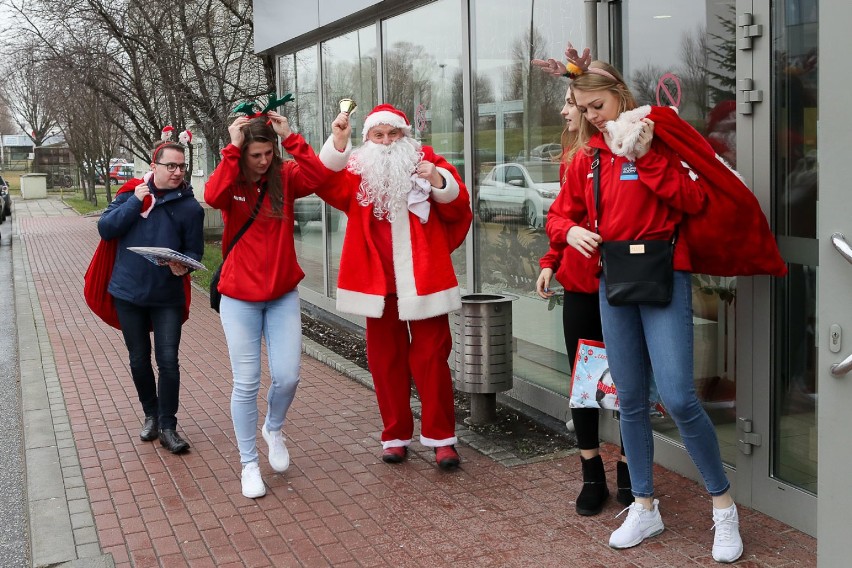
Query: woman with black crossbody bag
point(636, 204)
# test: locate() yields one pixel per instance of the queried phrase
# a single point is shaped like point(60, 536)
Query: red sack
point(96, 281)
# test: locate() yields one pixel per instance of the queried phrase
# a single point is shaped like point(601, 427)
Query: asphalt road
point(14, 540)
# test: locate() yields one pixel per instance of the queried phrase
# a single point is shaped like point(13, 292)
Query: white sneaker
point(639, 525)
point(253, 486)
point(279, 457)
point(727, 544)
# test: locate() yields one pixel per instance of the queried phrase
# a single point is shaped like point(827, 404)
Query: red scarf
point(99, 273)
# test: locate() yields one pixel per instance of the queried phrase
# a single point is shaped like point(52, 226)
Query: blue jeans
point(136, 325)
point(279, 321)
point(635, 335)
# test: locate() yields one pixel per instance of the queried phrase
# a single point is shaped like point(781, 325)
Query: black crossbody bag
point(215, 295)
point(635, 272)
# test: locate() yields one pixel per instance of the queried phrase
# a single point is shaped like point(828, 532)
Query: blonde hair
point(595, 82)
point(570, 140)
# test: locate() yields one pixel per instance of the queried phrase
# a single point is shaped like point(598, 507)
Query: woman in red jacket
point(643, 198)
point(259, 277)
point(581, 319)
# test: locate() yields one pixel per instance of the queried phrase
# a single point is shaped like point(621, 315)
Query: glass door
point(779, 428)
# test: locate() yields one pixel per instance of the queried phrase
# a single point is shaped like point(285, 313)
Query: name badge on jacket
point(629, 171)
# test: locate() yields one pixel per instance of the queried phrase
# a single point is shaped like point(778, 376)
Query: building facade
point(752, 76)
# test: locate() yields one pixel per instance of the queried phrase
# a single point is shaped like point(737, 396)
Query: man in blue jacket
point(160, 211)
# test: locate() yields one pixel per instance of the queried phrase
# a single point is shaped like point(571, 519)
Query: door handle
point(840, 369)
point(839, 242)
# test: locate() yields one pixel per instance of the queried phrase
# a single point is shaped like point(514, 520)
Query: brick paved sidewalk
point(338, 504)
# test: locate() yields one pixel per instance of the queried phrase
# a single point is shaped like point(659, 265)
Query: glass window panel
point(516, 121)
point(684, 54)
point(422, 76)
point(795, 187)
point(349, 70)
point(298, 74)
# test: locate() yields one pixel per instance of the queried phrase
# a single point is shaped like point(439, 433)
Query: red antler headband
point(579, 64)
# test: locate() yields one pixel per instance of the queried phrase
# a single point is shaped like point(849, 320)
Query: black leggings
point(581, 319)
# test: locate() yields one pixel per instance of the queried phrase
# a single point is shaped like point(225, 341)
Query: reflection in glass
point(422, 76)
point(298, 74)
point(689, 61)
point(349, 70)
point(517, 130)
point(794, 120)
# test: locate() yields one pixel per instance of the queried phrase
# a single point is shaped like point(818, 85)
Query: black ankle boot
point(622, 481)
point(172, 441)
point(150, 429)
point(594, 493)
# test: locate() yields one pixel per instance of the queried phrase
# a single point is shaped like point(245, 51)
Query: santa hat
point(166, 133)
point(387, 114)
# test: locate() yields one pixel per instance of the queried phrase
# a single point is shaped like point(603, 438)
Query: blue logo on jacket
point(629, 171)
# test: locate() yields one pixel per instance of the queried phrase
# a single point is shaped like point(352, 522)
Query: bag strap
point(596, 163)
point(248, 223)
point(596, 166)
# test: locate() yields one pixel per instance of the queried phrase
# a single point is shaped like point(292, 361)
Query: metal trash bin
point(482, 354)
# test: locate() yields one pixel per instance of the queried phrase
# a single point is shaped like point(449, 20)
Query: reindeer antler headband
point(579, 64)
point(248, 107)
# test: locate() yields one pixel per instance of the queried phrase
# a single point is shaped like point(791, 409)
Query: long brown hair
point(257, 130)
point(595, 82)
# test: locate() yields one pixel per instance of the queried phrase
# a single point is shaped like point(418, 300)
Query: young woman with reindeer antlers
point(659, 180)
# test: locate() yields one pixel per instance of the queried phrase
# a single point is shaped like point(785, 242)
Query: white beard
point(385, 175)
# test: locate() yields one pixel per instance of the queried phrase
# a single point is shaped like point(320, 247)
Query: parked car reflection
point(519, 189)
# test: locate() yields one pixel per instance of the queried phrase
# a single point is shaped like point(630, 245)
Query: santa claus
point(408, 210)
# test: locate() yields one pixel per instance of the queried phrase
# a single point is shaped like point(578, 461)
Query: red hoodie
point(262, 265)
point(641, 201)
point(574, 271)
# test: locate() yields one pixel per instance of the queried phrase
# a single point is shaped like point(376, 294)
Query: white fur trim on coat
point(360, 304)
point(411, 305)
point(450, 192)
point(332, 158)
point(625, 130)
point(385, 117)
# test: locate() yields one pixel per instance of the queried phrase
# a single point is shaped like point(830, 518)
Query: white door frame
point(834, 284)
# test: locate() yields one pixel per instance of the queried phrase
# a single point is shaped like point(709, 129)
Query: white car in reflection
point(519, 189)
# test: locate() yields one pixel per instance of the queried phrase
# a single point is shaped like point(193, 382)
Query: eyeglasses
point(171, 166)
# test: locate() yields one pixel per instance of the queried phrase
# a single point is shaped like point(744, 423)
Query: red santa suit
point(399, 275)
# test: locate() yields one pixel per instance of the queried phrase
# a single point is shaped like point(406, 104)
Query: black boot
point(172, 441)
point(622, 481)
point(594, 493)
point(150, 429)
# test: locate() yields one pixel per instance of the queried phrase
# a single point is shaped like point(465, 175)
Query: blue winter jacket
point(176, 222)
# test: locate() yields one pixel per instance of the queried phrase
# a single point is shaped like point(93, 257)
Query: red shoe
point(395, 454)
point(447, 457)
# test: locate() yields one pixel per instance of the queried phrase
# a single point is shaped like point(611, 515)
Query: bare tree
point(158, 62)
point(541, 93)
point(695, 55)
point(644, 84)
point(408, 72)
point(26, 91)
point(483, 92)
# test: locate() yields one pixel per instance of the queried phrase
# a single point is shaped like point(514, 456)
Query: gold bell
point(347, 105)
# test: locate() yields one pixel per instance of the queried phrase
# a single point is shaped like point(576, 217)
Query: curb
point(61, 524)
